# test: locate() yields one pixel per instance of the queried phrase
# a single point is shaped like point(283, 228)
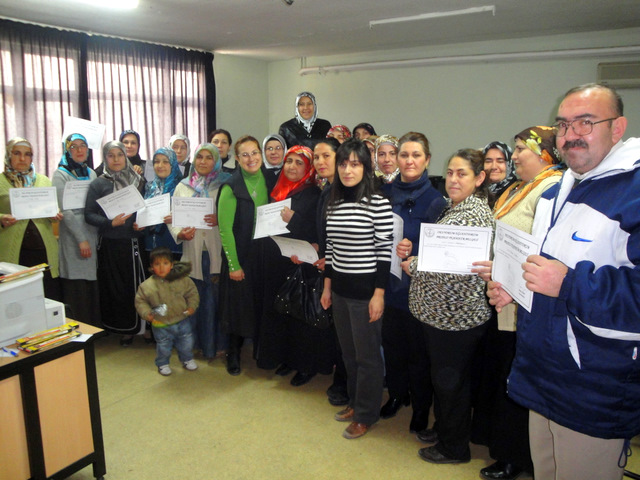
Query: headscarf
point(267, 139)
point(510, 168)
point(67, 163)
point(164, 185)
point(185, 139)
point(125, 177)
point(18, 179)
point(308, 124)
point(342, 129)
point(204, 185)
point(542, 142)
point(285, 187)
point(367, 126)
point(135, 160)
point(382, 140)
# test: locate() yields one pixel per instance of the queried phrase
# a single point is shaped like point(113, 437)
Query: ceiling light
point(426, 16)
point(112, 4)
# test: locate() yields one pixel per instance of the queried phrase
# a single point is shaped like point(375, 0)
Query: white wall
point(456, 106)
point(242, 95)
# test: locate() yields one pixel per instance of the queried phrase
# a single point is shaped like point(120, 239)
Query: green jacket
point(11, 237)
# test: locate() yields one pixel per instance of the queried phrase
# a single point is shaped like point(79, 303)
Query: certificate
point(398, 229)
point(511, 249)
point(452, 248)
point(269, 221)
point(303, 250)
point(33, 202)
point(75, 194)
point(127, 200)
point(92, 131)
point(190, 211)
point(154, 211)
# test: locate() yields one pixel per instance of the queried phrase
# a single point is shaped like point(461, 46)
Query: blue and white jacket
point(577, 361)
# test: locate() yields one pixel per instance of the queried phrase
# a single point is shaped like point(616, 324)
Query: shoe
point(190, 365)
point(419, 421)
point(233, 364)
point(390, 409)
point(433, 455)
point(337, 395)
point(501, 471)
point(300, 378)
point(344, 415)
point(283, 370)
point(126, 341)
point(428, 435)
point(164, 370)
point(355, 430)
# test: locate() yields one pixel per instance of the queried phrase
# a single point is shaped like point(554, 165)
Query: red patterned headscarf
point(285, 187)
point(343, 129)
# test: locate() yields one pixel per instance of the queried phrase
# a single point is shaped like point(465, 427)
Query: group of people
point(554, 390)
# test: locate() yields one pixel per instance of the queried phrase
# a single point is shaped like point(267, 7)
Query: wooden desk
point(50, 412)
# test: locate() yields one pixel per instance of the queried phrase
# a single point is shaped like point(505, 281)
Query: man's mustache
point(575, 143)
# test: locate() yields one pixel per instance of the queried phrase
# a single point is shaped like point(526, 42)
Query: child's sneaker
point(164, 370)
point(190, 365)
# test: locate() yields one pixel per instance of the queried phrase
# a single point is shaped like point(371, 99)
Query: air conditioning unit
point(619, 74)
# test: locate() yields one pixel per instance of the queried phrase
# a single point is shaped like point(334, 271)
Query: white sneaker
point(190, 365)
point(164, 370)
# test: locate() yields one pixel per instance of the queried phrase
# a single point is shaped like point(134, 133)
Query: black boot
point(233, 355)
point(390, 409)
point(419, 421)
point(501, 471)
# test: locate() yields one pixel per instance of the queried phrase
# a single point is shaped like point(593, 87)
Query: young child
point(166, 300)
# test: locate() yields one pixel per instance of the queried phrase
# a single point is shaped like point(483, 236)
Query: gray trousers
point(360, 342)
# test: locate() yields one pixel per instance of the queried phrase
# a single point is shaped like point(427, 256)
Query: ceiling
point(271, 29)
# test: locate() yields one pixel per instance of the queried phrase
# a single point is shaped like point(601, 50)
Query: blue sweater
point(577, 355)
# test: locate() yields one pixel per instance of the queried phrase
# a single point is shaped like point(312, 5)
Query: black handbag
point(299, 297)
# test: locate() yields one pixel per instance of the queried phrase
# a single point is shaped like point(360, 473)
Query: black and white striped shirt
point(358, 253)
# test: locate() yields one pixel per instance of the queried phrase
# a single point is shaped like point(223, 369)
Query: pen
point(10, 352)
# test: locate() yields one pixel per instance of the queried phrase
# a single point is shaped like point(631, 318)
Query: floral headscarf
point(541, 141)
point(125, 177)
point(340, 128)
point(185, 139)
point(67, 163)
point(203, 185)
point(18, 179)
point(510, 168)
point(267, 139)
point(382, 140)
point(285, 187)
point(165, 185)
point(308, 124)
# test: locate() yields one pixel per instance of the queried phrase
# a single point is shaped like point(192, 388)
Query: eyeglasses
point(246, 156)
point(580, 126)
point(78, 147)
point(272, 149)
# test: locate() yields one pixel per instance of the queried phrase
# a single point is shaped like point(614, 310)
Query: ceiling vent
point(620, 74)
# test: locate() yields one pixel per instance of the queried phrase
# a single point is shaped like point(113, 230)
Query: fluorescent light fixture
point(426, 16)
point(111, 4)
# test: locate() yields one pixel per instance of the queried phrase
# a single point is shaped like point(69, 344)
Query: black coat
point(294, 132)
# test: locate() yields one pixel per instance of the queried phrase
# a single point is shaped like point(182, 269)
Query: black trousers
point(406, 358)
point(451, 354)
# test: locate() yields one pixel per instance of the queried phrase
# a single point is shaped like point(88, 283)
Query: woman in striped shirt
point(359, 233)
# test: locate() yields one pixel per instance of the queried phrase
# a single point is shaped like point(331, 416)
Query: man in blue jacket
point(576, 365)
